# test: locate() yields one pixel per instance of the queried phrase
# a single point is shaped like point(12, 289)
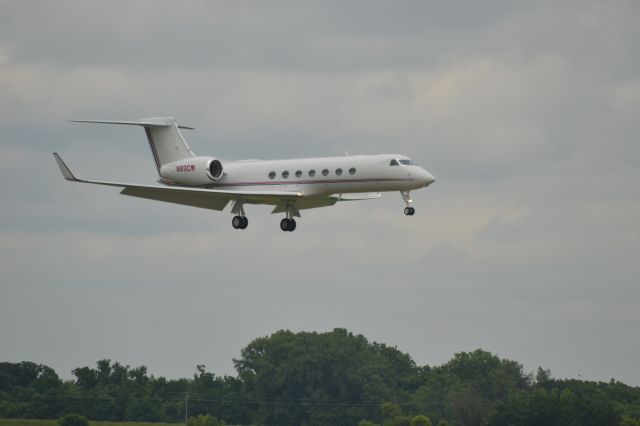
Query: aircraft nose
point(427, 178)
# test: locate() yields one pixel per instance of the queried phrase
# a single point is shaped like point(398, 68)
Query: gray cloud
point(526, 114)
point(252, 34)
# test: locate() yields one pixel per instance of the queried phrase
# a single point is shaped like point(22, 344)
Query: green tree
point(491, 377)
point(20, 374)
point(103, 373)
point(144, 409)
point(86, 378)
point(392, 415)
point(420, 420)
point(543, 377)
point(305, 373)
point(47, 405)
point(73, 419)
point(467, 407)
point(205, 420)
point(398, 421)
point(390, 410)
point(12, 409)
point(629, 421)
point(576, 403)
point(314, 379)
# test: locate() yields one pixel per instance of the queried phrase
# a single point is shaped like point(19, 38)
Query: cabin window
point(272, 175)
point(352, 171)
point(285, 174)
point(338, 172)
point(298, 173)
point(393, 163)
point(312, 173)
point(406, 162)
point(325, 172)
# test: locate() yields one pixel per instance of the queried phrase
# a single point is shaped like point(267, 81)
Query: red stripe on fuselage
point(307, 182)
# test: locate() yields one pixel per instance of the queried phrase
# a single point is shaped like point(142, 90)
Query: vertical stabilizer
point(166, 141)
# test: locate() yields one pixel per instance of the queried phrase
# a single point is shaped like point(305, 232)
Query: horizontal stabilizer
point(147, 122)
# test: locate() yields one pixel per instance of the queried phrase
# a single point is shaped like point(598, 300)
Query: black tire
point(236, 222)
point(413, 211)
point(292, 225)
point(407, 211)
point(284, 224)
point(244, 222)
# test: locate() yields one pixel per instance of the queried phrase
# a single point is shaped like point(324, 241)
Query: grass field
point(31, 422)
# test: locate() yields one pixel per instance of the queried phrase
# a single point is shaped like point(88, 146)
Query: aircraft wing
point(356, 197)
point(212, 199)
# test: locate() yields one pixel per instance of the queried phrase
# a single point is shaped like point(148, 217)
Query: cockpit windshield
point(403, 162)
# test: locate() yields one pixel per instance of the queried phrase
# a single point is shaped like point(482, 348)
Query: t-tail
point(165, 140)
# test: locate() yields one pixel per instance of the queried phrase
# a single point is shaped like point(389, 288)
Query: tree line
point(311, 378)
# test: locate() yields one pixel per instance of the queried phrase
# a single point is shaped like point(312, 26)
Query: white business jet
point(288, 185)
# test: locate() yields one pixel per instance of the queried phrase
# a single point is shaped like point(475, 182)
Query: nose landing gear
point(406, 197)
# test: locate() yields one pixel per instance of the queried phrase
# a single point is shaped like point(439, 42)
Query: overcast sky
point(528, 244)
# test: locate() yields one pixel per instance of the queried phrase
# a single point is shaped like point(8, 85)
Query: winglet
point(64, 169)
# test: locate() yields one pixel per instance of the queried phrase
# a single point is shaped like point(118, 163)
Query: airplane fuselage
point(324, 176)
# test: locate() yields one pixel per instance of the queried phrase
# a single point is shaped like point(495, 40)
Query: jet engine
point(194, 171)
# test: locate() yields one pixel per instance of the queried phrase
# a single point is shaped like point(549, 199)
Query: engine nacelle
point(193, 171)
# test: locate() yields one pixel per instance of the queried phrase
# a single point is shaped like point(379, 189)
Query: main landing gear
point(239, 222)
point(288, 224)
point(408, 210)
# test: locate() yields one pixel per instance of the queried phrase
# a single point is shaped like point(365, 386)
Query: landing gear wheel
point(409, 211)
point(244, 222)
point(288, 225)
point(236, 222)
